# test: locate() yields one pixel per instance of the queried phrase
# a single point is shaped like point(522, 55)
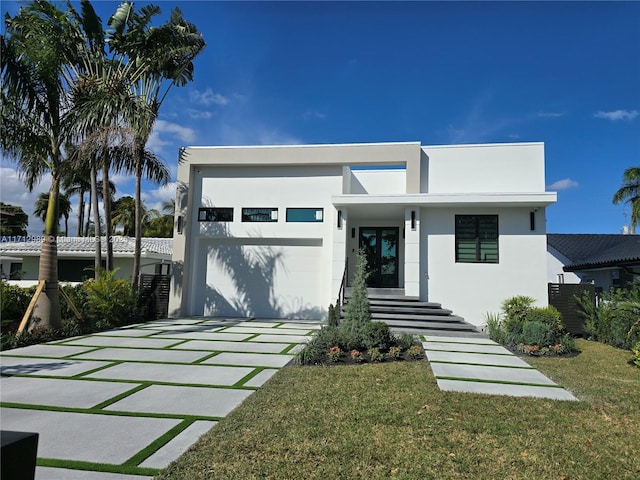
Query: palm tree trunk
point(96, 221)
point(80, 212)
point(106, 201)
point(47, 309)
point(86, 226)
point(138, 224)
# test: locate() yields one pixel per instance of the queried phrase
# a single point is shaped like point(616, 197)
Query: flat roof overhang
point(531, 200)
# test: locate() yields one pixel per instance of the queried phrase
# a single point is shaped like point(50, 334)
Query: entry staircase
point(408, 314)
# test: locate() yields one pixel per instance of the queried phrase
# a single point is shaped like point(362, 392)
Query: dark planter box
point(19, 452)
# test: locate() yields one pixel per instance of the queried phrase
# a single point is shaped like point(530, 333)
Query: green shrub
point(515, 311)
point(110, 300)
point(494, 327)
point(333, 319)
point(14, 301)
point(357, 313)
point(636, 354)
point(615, 320)
point(377, 335)
point(548, 315)
point(404, 340)
point(536, 333)
point(315, 351)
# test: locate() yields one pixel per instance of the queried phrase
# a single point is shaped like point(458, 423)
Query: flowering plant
point(415, 351)
point(334, 354)
point(357, 356)
point(394, 352)
point(375, 355)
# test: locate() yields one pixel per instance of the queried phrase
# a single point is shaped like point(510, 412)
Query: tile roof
point(82, 246)
point(589, 250)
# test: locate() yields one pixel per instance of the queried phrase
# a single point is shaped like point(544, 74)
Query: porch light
point(413, 219)
point(339, 219)
point(353, 232)
point(179, 223)
point(532, 220)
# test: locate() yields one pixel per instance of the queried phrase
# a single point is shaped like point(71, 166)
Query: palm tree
point(36, 50)
point(164, 57)
point(630, 193)
point(77, 182)
point(64, 209)
point(124, 214)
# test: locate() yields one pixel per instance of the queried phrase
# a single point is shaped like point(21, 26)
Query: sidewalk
point(122, 404)
point(480, 365)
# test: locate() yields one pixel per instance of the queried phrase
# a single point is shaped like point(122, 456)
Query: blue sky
point(566, 74)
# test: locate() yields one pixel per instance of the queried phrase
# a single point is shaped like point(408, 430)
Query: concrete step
point(431, 325)
point(409, 310)
point(413, 317)
point(404, 303)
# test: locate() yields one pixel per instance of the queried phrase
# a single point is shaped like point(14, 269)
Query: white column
point(338, 254)
point(412, 251)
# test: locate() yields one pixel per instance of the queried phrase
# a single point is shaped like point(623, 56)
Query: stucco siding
point(471, 289)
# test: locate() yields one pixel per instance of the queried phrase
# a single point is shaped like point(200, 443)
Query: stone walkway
point(480, 365)
point(122, 404)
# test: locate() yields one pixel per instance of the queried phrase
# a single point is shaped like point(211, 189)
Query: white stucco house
point(267, 231)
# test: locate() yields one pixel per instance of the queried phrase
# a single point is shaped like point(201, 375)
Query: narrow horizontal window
point(259, 214)
point(215, 214)
point(305, 214)
point(476, 238)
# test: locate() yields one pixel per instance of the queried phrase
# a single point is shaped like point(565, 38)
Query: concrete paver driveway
point(122, 404)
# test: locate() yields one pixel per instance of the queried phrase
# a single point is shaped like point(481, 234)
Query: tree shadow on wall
point(249, 266)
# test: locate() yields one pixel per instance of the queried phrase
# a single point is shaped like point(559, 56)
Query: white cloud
point(615, 115)
point(551, 114)
point(564, 184)
point(208, 97)
point(154, 198)
point(199, 114)
point(314, 115)
point(162, 129)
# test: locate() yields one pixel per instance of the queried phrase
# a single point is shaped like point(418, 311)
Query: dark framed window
point(305, 214)
point(215, 214)
point(477, 238)
point(259, 214)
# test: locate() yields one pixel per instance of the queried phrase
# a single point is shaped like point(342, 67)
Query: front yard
point(380, 421)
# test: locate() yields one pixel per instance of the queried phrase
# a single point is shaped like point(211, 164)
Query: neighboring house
point(267, 231)
point(606, 260)
point(76, 256)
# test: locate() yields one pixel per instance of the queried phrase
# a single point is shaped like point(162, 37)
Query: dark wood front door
point(380, 245)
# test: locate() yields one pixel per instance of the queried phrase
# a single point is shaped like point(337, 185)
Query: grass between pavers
point(96, 467)
point(500, 382)
point(380, 421)
point(521, 367)
point(154, 382)
point(115, 413)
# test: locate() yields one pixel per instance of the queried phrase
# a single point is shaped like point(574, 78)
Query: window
point(215, 214)
point(305, 214)
point(477, 238)
point(259, 214)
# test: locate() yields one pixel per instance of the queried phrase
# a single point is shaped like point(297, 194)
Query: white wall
point(272, 269)
point(555, 262)
point(484, 168)
point(472, 289)
point(387, 181)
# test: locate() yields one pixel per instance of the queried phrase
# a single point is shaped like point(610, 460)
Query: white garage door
point(267, 278)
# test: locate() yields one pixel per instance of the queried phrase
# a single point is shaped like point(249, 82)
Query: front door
point(380, 245)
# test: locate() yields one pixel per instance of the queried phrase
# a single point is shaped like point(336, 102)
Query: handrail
point(343, 284)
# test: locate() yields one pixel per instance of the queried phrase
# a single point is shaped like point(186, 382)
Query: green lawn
point(380, 421)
